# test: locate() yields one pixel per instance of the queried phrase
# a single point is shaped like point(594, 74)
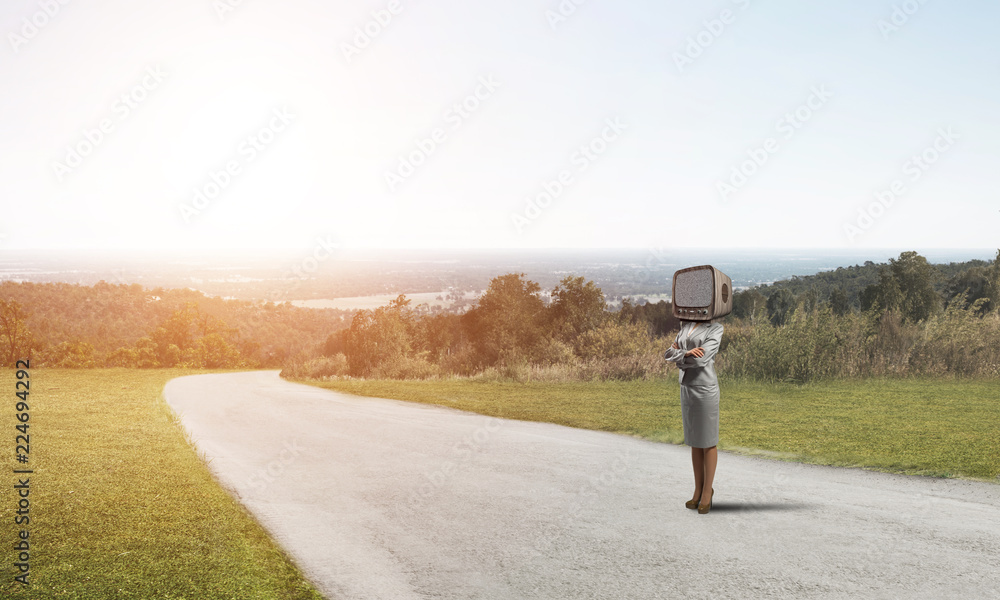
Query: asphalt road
point(391, 500)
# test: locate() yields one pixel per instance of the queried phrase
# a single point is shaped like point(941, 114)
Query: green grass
point(122, 506)
point(931, 427)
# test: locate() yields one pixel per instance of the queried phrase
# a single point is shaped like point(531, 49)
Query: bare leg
point(711, 459)
point(698, 461)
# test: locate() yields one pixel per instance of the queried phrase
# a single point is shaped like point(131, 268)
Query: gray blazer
point(696, 371)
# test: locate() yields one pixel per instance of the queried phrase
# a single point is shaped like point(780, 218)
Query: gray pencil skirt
point(700, 413)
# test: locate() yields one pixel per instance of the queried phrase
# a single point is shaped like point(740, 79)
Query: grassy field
point(931, 427)
point(121, 505)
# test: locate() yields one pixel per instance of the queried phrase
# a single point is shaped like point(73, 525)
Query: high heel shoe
point(703, 510)
point(693, 504)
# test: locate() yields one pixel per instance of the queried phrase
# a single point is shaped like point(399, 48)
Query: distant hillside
point(109, 317)
point(948, 280)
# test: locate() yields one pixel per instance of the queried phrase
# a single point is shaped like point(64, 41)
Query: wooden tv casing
point(722, 297)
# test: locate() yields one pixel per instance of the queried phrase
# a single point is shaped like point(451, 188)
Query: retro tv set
point(701, 293)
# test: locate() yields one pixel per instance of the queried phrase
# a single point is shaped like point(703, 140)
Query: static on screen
point(694, 288)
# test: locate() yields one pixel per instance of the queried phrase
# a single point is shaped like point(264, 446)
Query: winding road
point(383, 499)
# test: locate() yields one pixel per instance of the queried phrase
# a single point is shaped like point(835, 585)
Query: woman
point(693, 352)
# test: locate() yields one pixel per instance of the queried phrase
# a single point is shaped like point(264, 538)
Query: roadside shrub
point(614, 340)
point(323, 367)
point(72, 355)
point(524, 372)
point(960, 342)
point(554, 352)
point(123, 357)
point(460, 361)
point(513, 367)
point(644, 366)
point(406, 367)
point(808, 347)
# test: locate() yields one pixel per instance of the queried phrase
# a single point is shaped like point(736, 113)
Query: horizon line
point(500, 248)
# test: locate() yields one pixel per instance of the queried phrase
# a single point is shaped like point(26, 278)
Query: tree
point(809, 300)
point(179, 328)
point(123, 357)
point(625, 312)
point(214, 352)
point(175, 335)
point(576, 308)
point(916, 280)
point(507, 322)
point(380, 336)
point(780, 306)
point(15, 339)
point(72, 355)
point(884, 295)
point(991, 286)
point(906, 286)
point(970, 285)
point(658, 316)
point(336, 343)
point(839, 302)
point(145, 349)
point(439, 334)
point(993, 283)
point(750, 305)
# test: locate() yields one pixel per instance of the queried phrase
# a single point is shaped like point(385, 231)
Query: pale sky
point(669, 97)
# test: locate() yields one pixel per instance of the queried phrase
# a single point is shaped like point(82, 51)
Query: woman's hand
point(697, 352)
point(675, 346)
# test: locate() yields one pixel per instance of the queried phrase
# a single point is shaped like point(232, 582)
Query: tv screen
point(694, 288)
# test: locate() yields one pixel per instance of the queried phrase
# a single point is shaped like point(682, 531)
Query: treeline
point(510, 331)
point(858, 287)
point(904, 318)
point(908, 320)
point(71, 325)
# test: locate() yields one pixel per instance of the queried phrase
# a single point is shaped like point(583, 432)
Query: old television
point(701, 293)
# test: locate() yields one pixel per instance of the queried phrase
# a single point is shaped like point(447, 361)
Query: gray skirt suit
point(699, 383)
